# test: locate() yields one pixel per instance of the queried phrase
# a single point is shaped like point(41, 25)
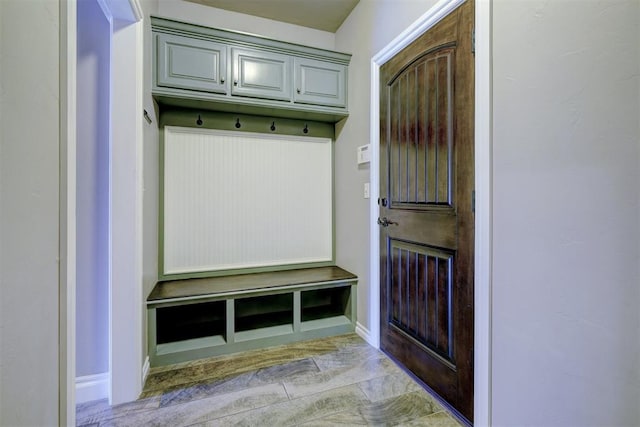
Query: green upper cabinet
point(319, 82)
point(192, 64)
point(261, 74)
point(218, 70)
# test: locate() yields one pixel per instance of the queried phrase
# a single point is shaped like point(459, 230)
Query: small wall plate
point(364, 154)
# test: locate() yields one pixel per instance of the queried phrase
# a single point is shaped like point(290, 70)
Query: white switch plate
point(364, 155)
point(366, 190)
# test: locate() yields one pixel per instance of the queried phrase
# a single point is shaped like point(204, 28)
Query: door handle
point(385, 222)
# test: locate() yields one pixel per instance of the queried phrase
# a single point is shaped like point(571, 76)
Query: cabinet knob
point(222, 80)
point(298, 90)
point(235, 83)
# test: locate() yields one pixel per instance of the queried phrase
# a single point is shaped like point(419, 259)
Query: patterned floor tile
point(326, 380)
point(270, 375)
point(223, 367)
point(99, 411)
point(337, 381)
point(439, 419)
point(347, 356)
point(298, 411)
point(202, 410)
point(389, 386)
point(400, 409)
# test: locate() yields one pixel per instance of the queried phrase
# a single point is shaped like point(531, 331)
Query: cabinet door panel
point(193, 64)
point(261, 74)
point(321, 83)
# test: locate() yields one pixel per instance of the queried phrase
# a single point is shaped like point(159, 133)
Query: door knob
point(385, 222)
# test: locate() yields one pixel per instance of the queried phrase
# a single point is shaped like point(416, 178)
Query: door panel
point(193, 64)
point(421, 284)
point(320, 83)
point(426, 152)
point(261, 74)
point(421, 132)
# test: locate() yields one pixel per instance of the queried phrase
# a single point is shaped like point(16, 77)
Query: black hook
point(199, 121)
point(306, 128)
point(273, 126)
point(238, 123)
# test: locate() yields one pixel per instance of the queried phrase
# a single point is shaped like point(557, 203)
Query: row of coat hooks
point(238, 125)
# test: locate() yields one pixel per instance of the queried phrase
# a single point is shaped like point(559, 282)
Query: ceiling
point(326, 15)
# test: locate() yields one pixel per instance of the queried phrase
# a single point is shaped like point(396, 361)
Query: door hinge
point(473, 40)
point(473, 201)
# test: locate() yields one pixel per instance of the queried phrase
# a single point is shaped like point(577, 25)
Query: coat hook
point(306, 128)
point(273, 126)
point(199, 121)
point(238, 123)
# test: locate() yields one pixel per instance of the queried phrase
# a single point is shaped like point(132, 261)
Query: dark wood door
point(426, 208)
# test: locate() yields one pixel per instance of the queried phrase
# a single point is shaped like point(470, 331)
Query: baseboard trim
point(145, 370)
point(365, 334)
point(92, 387)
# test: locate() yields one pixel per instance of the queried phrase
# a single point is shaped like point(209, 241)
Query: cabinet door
point(188, 63)
point(321, 83)
point(261, 74)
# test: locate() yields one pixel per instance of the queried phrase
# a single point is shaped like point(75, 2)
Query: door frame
point(130, 378)
point(483, 183)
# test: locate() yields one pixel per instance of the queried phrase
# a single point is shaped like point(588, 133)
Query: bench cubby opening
point(186, 322)
point(324, 303)
point(263, 311)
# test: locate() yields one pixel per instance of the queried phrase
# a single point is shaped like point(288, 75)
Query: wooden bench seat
point(195, 318)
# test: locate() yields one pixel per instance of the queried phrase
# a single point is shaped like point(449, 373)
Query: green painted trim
point(250, 293)
point(231, 320)
point(226, 121)
point(297, 311)
point(324, 323)
point(161, 205)
point(192, 344)
point(353, 299)
point(186, 355)
point(182, 98)
point(231, 272)
point(151, 335)
point(267, 333)
point(184, 117)
point(333, 199)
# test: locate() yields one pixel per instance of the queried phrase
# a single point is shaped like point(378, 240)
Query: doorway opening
point(482, 137)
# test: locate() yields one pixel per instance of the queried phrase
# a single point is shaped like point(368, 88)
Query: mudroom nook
point(246, 226)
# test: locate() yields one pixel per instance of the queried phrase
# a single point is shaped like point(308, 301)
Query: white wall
point(368, 29)
point(185, 11)
point(29, 194)
point(92, 190)
point(566, 328)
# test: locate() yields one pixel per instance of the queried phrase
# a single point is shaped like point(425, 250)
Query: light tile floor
point(332, 381)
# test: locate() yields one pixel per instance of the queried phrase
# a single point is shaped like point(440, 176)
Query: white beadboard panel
point(241, 200)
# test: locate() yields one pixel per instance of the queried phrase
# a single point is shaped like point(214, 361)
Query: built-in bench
point(196, 318)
